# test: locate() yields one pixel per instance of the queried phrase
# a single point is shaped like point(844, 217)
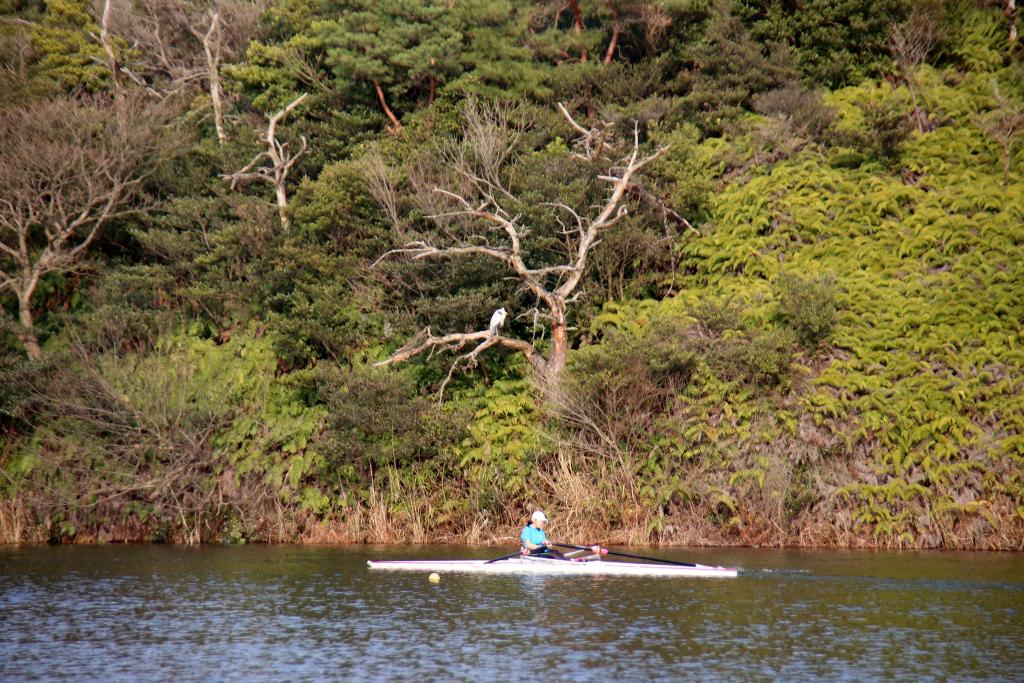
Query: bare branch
point(594, 141)
point(380, 183)
point(426, 341)
point(70, 168)
point(421, 250)
point(612, 211)
point(474, 206)
point(212, 44)
point(280, 163)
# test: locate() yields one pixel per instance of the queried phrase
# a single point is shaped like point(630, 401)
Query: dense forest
point(760, 266)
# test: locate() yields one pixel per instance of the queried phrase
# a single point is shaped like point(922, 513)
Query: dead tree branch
point(71, 167)
point(499, 234)
point(596, 141)
point(281, 162)
point(167, 46)
point(212, 46)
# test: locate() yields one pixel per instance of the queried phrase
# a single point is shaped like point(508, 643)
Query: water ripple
point(308, 614)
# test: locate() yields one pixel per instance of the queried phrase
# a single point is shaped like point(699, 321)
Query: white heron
point(497, 320)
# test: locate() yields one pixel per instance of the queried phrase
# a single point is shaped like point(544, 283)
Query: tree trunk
point(433, 89)
point(614, 42)
point(395, 123)
point(1011, 16)
point(559, 349)
point(1007, 151)
point(211, 46)
point(115, 66)
point(218, 107)
point(27, 333)
point(282, 204)
point(577, 24)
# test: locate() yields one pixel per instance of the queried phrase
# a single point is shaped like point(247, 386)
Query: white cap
point(539, 516)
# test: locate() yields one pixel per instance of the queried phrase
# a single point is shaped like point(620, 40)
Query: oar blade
point(635, 557)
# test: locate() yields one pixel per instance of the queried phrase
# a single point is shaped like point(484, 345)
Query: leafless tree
point(164, 46)
point(910, 43)
point(67, 169)
point(213, 46)
point(1005, 125)
point(281, 162)
point(477, 202)
point(598, 143)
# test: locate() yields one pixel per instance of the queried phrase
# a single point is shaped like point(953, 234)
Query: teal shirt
point(533, 535)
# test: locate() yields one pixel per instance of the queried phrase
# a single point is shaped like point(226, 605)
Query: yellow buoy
point(435, 578)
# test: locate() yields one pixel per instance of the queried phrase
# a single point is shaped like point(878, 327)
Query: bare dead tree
point(68, 169)
point(281, 163)
point(597, 143)
point(165, 46)
point(147, 45)
point(1005, 125)
point(910, 43)
point(213, 41)
point(116, 69)
point(478, 205)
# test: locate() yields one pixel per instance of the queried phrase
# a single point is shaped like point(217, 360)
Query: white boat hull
point(540, 565)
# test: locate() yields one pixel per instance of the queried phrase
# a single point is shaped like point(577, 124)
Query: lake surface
point(294, 613)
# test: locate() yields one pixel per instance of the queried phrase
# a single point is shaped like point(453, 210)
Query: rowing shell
point(540, 565)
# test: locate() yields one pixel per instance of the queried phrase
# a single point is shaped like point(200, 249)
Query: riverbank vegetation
point(763, 267)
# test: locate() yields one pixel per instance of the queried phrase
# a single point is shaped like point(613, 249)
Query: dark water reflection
point(151, 613)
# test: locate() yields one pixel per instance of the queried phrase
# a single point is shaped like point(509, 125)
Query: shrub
point(719, 316)
point(761, 359)
point(614, 393)
point(808, 306)
point(375, 418)
point(803, 110)
point(888, 126)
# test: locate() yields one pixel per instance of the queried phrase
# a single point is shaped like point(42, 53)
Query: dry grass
point(13, 524)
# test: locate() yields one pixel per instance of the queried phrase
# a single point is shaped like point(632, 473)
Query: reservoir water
point(299, 613)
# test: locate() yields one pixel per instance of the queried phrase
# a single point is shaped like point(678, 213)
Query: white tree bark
point(212, 41)
point(553, 286)
point(281, 161)
point(1011, 17)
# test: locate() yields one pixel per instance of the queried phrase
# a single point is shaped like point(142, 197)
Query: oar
point(635, 557)
point(504, 557)
point(518, 554)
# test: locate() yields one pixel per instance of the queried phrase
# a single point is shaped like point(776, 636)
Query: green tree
point(837, 42)
point(65, 57)
point(399, 48)
point(724, 72)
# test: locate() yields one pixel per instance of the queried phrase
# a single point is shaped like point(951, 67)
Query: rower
point(535, 541)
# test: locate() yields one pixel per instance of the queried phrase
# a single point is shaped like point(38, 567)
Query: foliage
point(726, 69)
point(503, 445)
point(377, 419)
point(804, 329)
point(175, 435)
point(808, 306)
point(64, 56)
point(836, 43)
